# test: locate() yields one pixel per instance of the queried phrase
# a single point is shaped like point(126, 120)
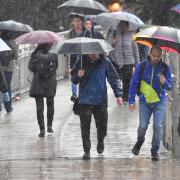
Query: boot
point(49, 129)
point(86, 155)
point(137, 147)
point(100, 147)
point(42, 133)
point(154, 156)
point(42, 130)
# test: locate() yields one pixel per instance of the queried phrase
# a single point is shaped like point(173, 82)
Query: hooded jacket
point(92, 33)
point(92, 87)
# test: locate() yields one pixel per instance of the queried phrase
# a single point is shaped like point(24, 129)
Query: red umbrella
point(38, 37)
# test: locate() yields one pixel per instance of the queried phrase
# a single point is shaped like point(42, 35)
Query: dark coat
point(45, 87)
point(92, 87)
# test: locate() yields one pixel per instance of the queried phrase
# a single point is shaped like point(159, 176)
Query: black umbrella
point(82, 45)
point(15, 26)
point(83, 6)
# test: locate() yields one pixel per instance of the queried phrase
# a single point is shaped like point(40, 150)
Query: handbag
point(5, 97)
point(76, 107)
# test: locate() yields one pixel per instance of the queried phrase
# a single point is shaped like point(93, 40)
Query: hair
point(156, 47)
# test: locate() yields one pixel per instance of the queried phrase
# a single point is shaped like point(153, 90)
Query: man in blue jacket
point(91, 76)
point(154, 80)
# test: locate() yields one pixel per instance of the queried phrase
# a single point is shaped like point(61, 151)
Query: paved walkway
point(25, 156)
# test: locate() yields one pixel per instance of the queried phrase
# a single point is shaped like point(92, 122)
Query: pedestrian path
point(23, 155)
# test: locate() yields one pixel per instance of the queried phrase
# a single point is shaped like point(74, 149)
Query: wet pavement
point(25, 156)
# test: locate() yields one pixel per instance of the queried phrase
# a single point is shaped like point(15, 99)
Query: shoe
point(50, 130)
point(42, 133)
point(137, 148)
point(73, 98)
point(86, 156)
point(10, 110)
point(154, 156)
point(100, 147)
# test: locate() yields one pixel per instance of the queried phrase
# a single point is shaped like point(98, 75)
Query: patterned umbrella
point(38, 37)
point(4, 46)
point(112, 20)
point(15, 26)
point(83, 6)
point(176, 8)
point(167, 38)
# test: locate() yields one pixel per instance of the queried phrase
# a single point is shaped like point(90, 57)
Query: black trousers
point(125, 74)
point(100, 115)
point(40, 110)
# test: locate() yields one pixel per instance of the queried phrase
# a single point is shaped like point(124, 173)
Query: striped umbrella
point(15, 26)
point(167, 38)
point(83, 6)
point(176, 8)
point(112, 20)
point(38, 37)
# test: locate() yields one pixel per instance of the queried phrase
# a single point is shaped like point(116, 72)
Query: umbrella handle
point(81, 60)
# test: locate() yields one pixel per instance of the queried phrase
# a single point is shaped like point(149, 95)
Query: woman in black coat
point(44, 83)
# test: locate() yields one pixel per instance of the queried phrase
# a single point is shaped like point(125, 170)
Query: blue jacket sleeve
point(113, 79)
point(134, 84)
point(168, 84)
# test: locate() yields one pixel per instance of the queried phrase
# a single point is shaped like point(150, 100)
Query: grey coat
point(42, 87)
point(125, 50)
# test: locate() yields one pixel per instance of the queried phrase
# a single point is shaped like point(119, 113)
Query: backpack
point(5, 57)
point(46, 65)
point(141, 70)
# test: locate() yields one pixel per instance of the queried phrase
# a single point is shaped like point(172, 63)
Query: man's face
point(155, 56)
point(93, 57)
point(77, 23)
point(88, 25)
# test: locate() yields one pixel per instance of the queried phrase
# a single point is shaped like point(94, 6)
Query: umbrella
point(82, 45)
point(112, 20)
point(167, 38)
point(38, 37)
point(4, 46)
point(83, 6)
point(176, 8)
point(14, 26)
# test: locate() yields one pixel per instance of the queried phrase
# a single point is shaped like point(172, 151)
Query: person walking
point(7, 61)
point(125, 55)
point(151, 79)
point(89, 30)
point(44, 83)
point(91, 76)
point(75, 32)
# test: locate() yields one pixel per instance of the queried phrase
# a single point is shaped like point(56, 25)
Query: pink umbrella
point(38, 37)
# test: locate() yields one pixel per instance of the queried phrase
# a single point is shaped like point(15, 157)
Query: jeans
point(145, 112)
point(74, 88)
point(7, 105)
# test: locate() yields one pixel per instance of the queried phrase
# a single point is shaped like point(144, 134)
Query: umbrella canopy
point(4, 46)
point(15, 26)
point(82, 45)
point(176, 8)
point(112, 20)
point(167, 38)
point(38, 37)
point(83, 6)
